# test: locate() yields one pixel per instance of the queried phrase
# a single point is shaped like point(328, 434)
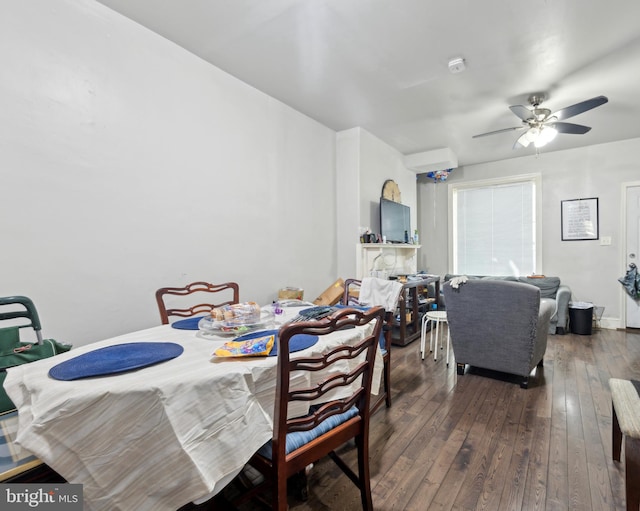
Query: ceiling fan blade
point(523, 112)
point(498, 131)
point(578, 108)
point(568, 127)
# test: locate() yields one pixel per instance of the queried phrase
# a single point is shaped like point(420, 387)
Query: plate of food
point(236, 319)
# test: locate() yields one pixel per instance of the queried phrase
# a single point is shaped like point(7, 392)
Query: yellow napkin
point(260, 346)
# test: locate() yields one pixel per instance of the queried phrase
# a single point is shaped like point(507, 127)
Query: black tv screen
point(394, 221)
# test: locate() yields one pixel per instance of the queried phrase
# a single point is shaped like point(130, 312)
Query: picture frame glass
point(579, 218)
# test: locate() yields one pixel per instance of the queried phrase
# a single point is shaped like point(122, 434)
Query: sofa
point(551, 290)
point(497, 325)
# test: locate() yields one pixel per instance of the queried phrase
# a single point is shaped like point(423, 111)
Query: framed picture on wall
point(580, 219)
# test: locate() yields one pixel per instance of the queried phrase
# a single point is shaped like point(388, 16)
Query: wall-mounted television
point(395, 219)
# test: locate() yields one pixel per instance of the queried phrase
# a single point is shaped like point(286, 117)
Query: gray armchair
point(551, 290)
point(498, 325)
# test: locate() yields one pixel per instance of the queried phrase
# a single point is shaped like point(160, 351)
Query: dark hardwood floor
point(479, 442)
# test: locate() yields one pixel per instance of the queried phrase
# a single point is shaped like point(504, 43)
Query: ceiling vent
point(429, 161)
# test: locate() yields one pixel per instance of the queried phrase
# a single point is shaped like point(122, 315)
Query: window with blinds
point(495, 227)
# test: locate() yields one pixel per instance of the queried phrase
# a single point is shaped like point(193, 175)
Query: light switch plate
point(605, 240)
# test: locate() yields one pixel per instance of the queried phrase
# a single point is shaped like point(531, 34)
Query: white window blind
point(494, 228)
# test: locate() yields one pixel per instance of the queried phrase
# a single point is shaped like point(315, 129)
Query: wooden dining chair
point(230, 294)
point(351, 298)
point(342, 384)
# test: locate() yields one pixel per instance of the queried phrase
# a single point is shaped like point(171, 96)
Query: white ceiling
point(382, 64)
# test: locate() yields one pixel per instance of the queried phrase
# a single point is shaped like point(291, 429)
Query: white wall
point(348, 199)
point(379, 162)
point(129, 164)
point(591, 270)
point(364, 163)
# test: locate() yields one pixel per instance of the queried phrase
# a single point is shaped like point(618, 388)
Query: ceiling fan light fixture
point(546, 135)
point(541, 126)
point(532, 135)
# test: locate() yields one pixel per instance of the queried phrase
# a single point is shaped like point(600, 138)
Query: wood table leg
point(616, 436)
point(632, 472)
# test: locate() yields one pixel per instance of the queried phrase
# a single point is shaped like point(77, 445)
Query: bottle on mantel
point(406, 236)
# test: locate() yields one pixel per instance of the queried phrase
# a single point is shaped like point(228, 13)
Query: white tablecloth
point(159, 437)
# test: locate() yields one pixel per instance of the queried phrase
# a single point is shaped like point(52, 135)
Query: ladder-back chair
point(229, 293)
point(351, 298)
point(341, 416)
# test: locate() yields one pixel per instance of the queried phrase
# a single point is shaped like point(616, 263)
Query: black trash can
point(581, 318)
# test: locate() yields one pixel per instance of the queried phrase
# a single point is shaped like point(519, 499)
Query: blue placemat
point(298, 342)
point(115, 359)
point(187, 324)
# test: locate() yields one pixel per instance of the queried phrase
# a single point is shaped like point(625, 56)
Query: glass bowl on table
point(236, 319)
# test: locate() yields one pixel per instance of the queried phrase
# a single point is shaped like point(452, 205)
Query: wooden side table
point(406, 330)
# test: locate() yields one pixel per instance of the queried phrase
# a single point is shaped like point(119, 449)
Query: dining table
point(157, 437)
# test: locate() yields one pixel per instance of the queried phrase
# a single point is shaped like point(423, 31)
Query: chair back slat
point(162, 295)
point(326, 386)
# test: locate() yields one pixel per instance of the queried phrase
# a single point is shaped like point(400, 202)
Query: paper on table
point(259, 346)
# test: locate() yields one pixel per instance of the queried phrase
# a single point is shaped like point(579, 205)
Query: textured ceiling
point(382, 65)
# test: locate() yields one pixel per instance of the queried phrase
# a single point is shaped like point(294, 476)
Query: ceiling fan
point(542, 126)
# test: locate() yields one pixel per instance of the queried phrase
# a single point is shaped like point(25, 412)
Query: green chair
point(16, 464)
point(22, 309)
point(26, 310)
point(19, 312)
